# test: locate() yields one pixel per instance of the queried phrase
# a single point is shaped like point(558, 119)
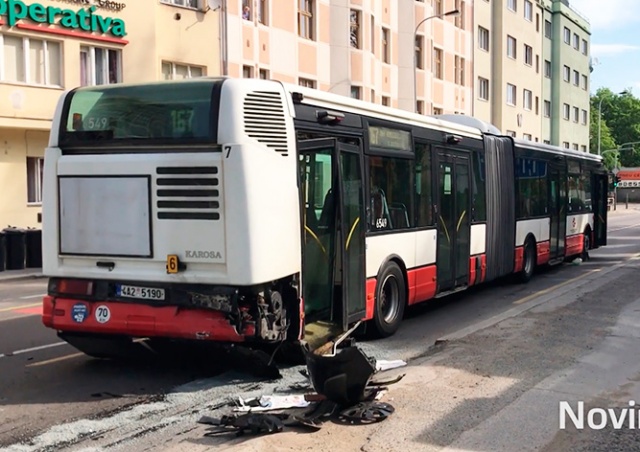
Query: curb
point(4, 277)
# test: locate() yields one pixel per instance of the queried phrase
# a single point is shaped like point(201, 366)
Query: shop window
point(100, 66)
point(30, 60)
point(186, 3)
point(174, 71)
point(390, 183)
point(35, 167)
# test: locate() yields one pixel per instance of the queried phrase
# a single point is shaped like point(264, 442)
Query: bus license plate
point(143, 293)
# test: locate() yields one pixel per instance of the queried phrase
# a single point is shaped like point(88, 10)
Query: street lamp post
point(454, 12)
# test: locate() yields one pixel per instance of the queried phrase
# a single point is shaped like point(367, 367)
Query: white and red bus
point(244, 210)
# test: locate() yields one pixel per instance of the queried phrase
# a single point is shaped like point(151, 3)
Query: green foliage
point(619, 128)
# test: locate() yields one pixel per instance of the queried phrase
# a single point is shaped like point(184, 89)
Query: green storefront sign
point(82, 19)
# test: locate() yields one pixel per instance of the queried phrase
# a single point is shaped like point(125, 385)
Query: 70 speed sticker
point(103, 314)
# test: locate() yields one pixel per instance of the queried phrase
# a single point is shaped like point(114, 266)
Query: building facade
point(531, 82)
point(365, 49)
point(47, 47)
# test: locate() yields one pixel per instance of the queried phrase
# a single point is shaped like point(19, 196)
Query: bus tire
point(586, 245)
point(390, 300)
point(528, 261)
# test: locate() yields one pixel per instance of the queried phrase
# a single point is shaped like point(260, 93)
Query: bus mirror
point(328, 117)
point(453, 139)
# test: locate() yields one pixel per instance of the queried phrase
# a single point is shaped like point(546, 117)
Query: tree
point(621, 115)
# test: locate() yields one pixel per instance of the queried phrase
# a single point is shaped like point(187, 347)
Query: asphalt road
point(44, 382)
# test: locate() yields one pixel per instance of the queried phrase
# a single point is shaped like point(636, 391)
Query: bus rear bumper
point(136, 320)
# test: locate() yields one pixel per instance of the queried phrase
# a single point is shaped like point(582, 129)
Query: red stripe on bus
point(422, 283)
point(574, 245)
point(543, 251)
point(519, 259)
point(371, 298)
point(472, 270)
point(139, 320)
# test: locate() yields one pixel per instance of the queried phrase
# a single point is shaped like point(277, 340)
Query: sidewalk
point(12, 275)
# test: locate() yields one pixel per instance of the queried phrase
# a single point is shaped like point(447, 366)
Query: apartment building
point(50, 46)
point(531, 68)
point(365, 49)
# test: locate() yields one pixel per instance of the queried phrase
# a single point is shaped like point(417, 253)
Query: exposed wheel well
point(397, 260)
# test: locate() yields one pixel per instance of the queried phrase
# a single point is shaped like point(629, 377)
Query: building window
point(246, 10)
point(567, 36)
point(437, 63)
point(385, 45)
point(566, 73)
point(584, 82)
point(566, 111)
point(547, 29)
point(511, 133)
point(575, 146)
point(483, 88)
point(307, 82)
point(576, 41)
point(511, 47)
point(527, 98)
point(576, 78)
point(305, 19)
point(354, 33)
point(537, 105)
point(437, 111)
point(29, 60)
point(583, 148)
point(512, 5)
point(459, 70)
point(263, 12)
point(459, 19)
point(537, 64)
point(483, 38)
point(263, 74)
point(373, 95)
point(173, 71)
point(355, 92)
point(419, 57)
point(100, 66)
point(585, 116)
point(528, 10)
point(511, 94)
point(546, 142)
point(437, 7)
point(527, 136)
point(373, 35)
point(386, 101)
point(528, 55)
point(247, 71)
point(585, 48)
point(547, 68)
point(420, 107)
point(565, 144)
point(537, 23)
point(576, 114)
point(547, 109)
point(186, 3)
point(35, 167)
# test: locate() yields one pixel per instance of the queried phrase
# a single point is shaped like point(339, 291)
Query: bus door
point(333, 265)
point(557, 208)
point(599, 194)
point(454, 222)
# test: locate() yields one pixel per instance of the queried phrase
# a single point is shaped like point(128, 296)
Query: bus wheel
point(586, 245)
point(391, 298)
point(529, 264)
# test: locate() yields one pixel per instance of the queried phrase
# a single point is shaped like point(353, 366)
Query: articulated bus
point(244, 210)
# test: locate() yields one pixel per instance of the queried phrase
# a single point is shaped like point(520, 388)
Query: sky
point(615, 43)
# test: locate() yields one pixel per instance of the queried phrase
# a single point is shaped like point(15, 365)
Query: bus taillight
point(70, 287)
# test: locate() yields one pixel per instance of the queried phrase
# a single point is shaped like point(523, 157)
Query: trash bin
point(16, 248)
point(3, 251)
point(34, 248)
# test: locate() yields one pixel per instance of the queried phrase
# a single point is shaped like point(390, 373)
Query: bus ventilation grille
point(264, 120)
point(188, 193)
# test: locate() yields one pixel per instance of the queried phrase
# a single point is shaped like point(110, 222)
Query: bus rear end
point(170, 211)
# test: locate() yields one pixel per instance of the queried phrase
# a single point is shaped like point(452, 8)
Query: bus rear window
point(157, 113)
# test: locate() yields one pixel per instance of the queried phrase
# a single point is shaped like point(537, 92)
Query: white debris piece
point(271, 402)
point(383, 364)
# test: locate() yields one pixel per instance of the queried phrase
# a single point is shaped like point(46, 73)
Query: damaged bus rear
point(171, 211)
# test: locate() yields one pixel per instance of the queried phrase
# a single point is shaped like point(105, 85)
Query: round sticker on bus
point(103, 314)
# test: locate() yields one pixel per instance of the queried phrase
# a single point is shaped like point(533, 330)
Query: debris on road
point(272, 402)
point(383, 364)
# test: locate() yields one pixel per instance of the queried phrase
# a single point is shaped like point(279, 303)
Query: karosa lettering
point(83, 19)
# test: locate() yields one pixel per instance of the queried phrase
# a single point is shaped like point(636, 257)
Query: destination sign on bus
point(530, 168)
point(386, 137)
